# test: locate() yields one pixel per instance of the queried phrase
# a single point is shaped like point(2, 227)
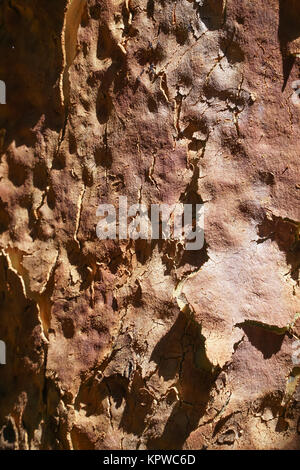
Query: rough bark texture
point(139, 344)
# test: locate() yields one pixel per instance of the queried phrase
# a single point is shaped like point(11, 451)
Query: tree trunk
point(142, 343)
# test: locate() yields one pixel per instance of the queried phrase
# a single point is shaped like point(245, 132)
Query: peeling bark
point(140, 344)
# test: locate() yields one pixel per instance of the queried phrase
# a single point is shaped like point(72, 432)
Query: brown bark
point(142, 344)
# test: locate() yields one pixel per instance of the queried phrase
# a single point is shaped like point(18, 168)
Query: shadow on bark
point(288, 32)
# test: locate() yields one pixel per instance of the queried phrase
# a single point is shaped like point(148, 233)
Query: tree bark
point(142, 344)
